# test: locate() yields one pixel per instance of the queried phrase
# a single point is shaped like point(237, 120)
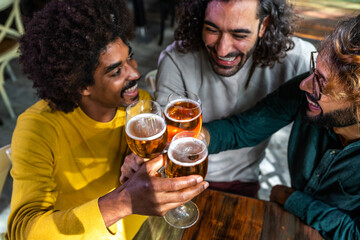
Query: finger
point(183, 195)
point(154, 165)
point(176, 184)
point(126, 173)
point(138, 160)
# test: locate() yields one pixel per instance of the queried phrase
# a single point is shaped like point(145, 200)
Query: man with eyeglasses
point(324, 145)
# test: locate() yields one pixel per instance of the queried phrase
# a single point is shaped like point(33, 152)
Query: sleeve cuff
point(298, 203)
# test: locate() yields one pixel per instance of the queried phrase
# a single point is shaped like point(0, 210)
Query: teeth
point(312, 103)
point(229, 59)
point(131, 89)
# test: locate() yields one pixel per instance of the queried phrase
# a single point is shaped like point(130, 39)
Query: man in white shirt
point(232, 54)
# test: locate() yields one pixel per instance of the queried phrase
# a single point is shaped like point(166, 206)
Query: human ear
point(264, 25)
point(85, 92)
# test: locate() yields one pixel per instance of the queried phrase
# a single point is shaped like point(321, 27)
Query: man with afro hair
point(68, 148)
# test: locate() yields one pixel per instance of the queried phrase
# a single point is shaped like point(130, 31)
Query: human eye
point(116, 72)
point(210, 29)
point(237, 36)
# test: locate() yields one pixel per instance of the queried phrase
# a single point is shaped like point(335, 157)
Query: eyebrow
point(321, 75)
point(240, 30)
point(115, 65)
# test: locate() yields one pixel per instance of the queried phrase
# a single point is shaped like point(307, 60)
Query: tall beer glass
point(183, 113)
point(146, 133)
point(187, 155)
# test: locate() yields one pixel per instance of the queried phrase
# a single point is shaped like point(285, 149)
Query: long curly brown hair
point(62, 43)
point(341, 51)
point(270, 48)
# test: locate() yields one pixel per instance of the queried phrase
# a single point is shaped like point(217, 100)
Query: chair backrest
point(5, 163)
point(12, 27)
point(150, 79)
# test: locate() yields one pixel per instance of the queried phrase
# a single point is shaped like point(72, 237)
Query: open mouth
point(312, 104)
point(132, 89)
point(227, 59)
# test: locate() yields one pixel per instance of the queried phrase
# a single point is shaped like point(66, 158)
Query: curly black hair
point(61, 46)
point(270, 48)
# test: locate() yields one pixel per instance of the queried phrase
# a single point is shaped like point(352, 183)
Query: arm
point(147, 194)
point(35, 210)
point(168, 78)
point(258, 123)
point(331, 222)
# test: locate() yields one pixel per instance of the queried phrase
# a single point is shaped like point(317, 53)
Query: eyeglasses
point(317, 84)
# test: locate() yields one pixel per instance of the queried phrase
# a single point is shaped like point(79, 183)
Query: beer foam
point(172, 103)
point(183, 147)
point(148, 123)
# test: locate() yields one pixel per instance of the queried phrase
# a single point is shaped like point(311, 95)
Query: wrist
point(114, 206)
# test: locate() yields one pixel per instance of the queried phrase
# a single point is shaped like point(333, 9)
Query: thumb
point(155, 164)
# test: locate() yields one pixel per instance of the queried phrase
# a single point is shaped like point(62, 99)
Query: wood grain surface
point(225, 216)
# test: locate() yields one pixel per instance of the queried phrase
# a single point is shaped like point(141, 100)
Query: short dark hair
point(271, 47)
point(61, 46)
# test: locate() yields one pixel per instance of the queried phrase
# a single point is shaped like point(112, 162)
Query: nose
point(307, 84)
point(133, 73)
point(224, 45)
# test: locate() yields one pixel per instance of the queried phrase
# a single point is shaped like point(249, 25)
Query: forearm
point(114, 206)
point(331, 222)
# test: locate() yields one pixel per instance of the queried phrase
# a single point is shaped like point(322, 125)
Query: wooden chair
point(10, 31)
point(5, 163)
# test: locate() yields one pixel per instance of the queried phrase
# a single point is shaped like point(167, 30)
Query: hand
point(131, 164)
point(280, 194)
point(146, 194)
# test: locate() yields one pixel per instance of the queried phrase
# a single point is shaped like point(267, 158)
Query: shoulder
point(172, 53)
point(38, 122)
point(144, 95)
point(301, 49)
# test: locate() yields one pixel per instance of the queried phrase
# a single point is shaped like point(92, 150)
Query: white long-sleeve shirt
point(225, 96)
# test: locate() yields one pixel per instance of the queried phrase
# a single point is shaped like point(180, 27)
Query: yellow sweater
point(62, 164)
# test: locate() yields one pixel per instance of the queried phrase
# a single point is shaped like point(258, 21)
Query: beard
point(338, 118)
point(229, 71)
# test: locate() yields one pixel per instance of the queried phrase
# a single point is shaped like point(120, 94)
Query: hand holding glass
point(187, 155)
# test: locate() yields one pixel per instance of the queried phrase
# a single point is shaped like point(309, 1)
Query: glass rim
point(183, 97)
point(130, 106)
point(181, 94)
point(202, 139)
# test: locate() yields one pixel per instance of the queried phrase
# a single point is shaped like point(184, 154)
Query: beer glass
point(183, 113)
point(145, 128)
point(187, 155)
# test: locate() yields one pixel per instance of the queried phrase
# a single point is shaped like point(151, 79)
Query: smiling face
point(115, 81)
point(325, 111)
point(230, 33)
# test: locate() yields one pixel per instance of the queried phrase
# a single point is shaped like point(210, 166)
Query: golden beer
point(186, 156)
point(183, 115)
point(146, 135)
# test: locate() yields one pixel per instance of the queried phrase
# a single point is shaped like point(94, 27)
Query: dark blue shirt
point(325, 175)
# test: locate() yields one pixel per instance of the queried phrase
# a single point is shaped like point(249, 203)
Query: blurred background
point(155, 24)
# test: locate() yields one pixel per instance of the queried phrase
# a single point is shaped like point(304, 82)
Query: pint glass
point(145, 128)
point(187, 155)
point(183, 113)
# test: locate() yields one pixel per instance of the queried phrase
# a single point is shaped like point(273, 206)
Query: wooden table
point(229, 216)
